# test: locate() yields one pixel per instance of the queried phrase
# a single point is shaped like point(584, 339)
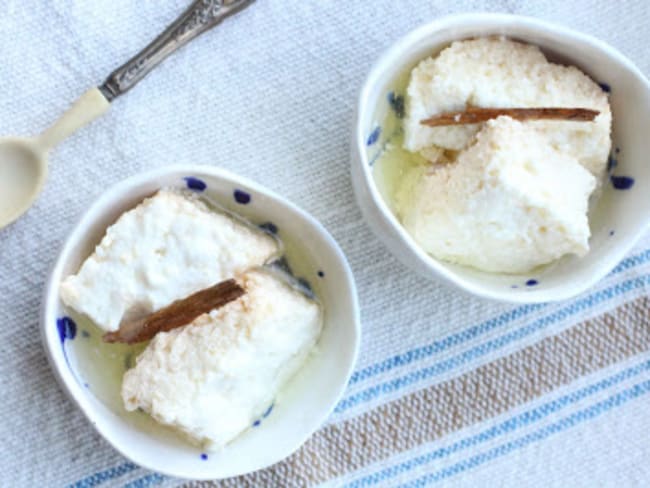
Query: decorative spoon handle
point(198, 18)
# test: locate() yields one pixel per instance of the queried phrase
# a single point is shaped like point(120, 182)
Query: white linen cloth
point(269, 94)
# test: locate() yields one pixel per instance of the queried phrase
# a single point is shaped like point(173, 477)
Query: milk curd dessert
point(496, 72)
point(169, 246)
point(213, 378)
point(505, 195)
point(209, 371)
point(501, 205)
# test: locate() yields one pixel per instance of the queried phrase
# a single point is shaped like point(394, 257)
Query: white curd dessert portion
point(510, 202)
point(502, 196)
point(168, 247)
point(214, 377)
point(500, 73)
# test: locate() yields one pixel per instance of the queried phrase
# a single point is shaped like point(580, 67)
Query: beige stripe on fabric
point(437, 410)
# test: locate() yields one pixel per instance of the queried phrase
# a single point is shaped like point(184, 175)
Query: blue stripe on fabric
point(145, 481)
point(631, 262)
point(518, 421)
point(406, 358)
point(439, 346)
point(541, 434)
point(489, 346)
point(102, 476)
point(474, 331)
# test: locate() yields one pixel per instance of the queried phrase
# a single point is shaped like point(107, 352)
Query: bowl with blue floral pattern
point(91, 371)
point(617, 218)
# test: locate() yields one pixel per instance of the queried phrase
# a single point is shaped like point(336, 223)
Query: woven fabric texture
point(448, 388)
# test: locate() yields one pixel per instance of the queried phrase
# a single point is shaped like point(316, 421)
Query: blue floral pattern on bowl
point(242, 197)
point(195, 184)
point(264, 415)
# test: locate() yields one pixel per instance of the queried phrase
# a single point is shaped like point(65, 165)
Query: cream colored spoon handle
point(84, 110)
point(201, 16)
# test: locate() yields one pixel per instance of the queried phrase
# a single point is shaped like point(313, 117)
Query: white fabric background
point(269, 95)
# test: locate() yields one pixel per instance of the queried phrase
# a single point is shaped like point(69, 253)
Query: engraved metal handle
point(198, 18)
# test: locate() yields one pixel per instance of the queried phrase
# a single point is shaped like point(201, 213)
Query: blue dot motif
point(264, 415)
point(532, 282)
point(67, 329)
point(204, 456)
point(242, 197)
point(622, 182)
point(374, 136)
point(268, 411)
point(605, 87)
point(195, 183)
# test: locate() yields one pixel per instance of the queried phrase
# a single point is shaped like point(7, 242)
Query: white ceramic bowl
point(304, 404)
point(619, 217)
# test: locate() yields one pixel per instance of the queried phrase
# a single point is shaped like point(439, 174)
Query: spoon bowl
point(23, 168)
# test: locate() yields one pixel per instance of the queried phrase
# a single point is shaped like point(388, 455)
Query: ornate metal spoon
point(23, 161)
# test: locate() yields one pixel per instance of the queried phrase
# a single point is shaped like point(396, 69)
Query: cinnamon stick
point(179, 313)
point(474, 115)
